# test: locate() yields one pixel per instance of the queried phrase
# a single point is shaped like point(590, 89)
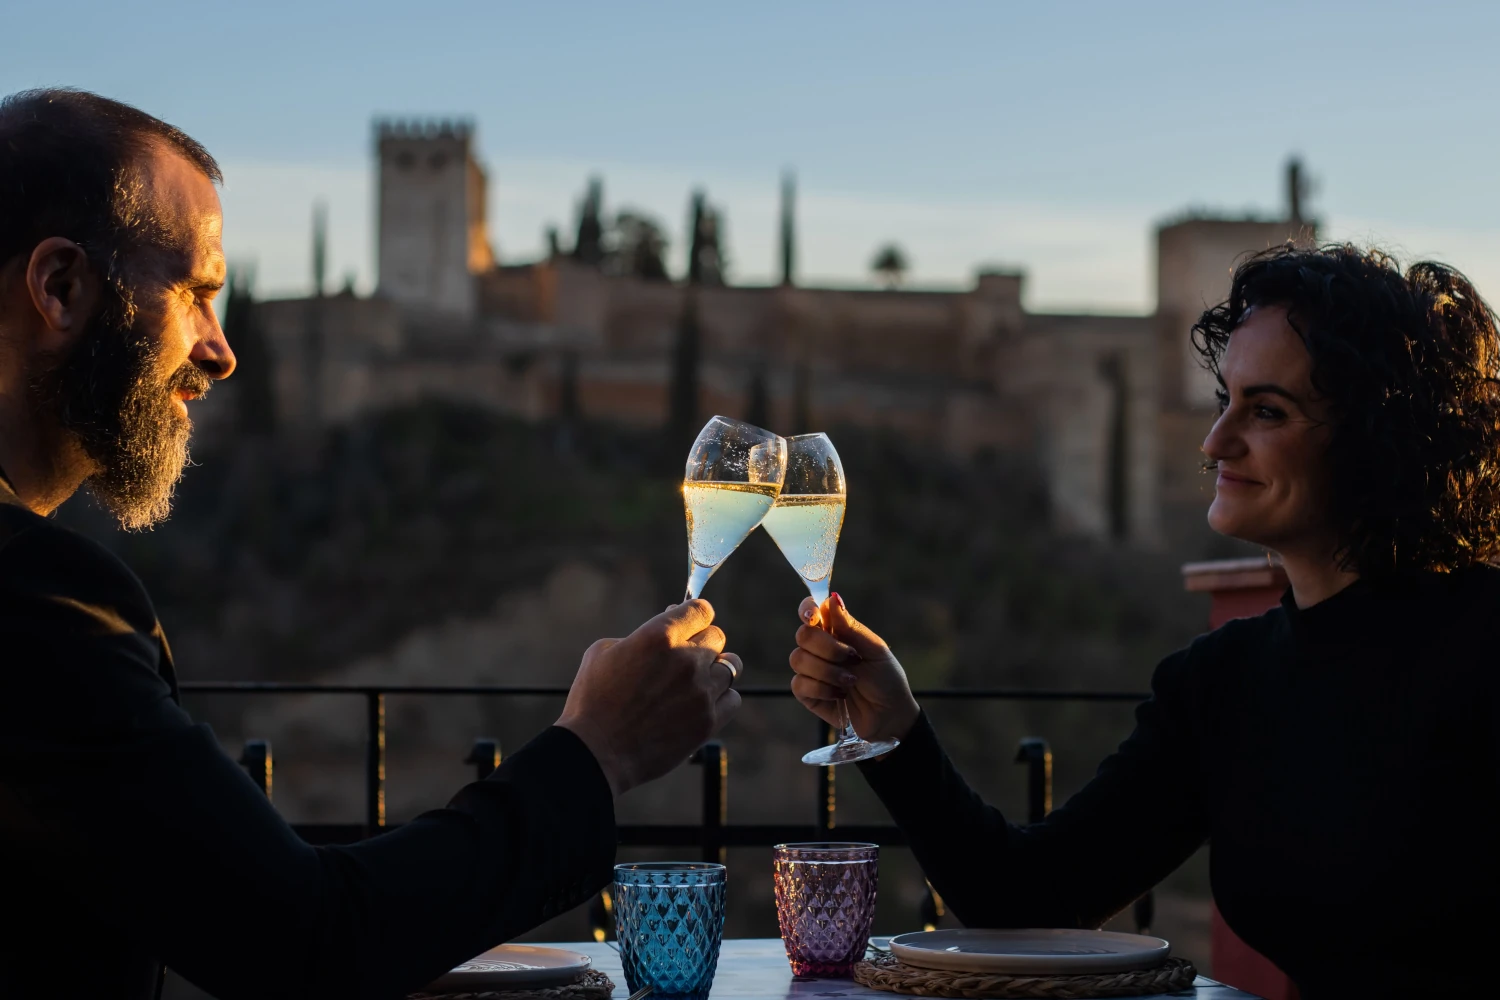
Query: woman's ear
point(63, 289)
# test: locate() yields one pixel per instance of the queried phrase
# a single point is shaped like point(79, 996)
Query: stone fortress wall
point(1112, 407)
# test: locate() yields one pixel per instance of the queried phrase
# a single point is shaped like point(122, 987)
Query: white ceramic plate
point(515, 967)
point(1042, 951)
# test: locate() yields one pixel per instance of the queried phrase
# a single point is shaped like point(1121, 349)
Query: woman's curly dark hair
point(1409, 362)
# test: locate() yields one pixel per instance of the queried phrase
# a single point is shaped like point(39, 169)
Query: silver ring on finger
point(734, 671)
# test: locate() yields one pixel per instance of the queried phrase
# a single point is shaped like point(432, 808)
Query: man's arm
point(150, 826)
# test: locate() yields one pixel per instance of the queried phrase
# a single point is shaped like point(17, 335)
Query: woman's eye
point(1223, 399)
point(1268, 413)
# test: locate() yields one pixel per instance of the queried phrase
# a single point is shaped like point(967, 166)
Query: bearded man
point(128, 840)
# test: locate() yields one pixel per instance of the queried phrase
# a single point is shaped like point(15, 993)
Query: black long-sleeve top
point(129, 840)
point(1341, 760)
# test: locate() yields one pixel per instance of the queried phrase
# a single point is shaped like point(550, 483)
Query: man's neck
point(42, 467)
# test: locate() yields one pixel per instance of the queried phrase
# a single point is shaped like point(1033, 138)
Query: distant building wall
point(1112, 408)
point(966, 371)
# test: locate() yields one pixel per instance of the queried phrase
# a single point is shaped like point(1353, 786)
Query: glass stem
point(846, 733)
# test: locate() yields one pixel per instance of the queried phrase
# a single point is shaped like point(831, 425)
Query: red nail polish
point(837, 601)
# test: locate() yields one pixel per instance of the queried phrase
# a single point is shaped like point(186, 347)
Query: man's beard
point(109, 395)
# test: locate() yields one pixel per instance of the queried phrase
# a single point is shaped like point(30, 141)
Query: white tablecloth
point(756, 969)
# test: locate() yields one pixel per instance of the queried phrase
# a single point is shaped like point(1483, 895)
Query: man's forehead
point(185, 207)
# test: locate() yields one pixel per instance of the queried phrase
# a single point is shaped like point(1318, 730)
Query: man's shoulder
point(45, 565)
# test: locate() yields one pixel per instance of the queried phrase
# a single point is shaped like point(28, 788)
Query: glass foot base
point(848, 752)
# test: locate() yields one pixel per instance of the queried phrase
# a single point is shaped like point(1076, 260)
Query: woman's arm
point(1136, 821)
point(1133, 824)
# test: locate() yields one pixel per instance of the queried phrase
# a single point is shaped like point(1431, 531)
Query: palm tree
point(890, 264)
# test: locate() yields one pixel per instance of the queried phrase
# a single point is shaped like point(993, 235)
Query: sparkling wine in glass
point(805, 524)
point(733, 476)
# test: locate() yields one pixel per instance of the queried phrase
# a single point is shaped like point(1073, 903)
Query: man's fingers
point(724, 671)
point(710, 638)
point(725, 706)
point(807, 665)
point(821, 644)
point(599, 646)
point(686, 619)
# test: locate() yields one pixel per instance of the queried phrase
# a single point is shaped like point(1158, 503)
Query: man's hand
point(840, 658)
point(644, 703)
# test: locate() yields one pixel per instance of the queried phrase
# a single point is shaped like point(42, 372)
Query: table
point(756, 969)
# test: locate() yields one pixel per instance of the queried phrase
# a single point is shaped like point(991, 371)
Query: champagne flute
point(733, 476)
point(805, 524)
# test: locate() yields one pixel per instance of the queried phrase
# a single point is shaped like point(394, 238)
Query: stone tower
point(432, 237)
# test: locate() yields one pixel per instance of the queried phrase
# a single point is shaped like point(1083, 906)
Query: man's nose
point(212, 353)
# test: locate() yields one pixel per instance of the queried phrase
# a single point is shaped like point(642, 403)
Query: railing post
point(374, 762)
point(828, 802)
point(485, 757)
point(715, 763)
point(256, 757)
point(1035, 753)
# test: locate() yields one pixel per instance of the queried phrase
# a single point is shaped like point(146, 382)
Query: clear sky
point(1050, 136)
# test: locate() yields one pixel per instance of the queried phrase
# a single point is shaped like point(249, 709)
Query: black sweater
point(1341, 760)
point(128, 839)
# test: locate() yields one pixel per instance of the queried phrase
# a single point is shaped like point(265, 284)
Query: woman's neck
point(1314, 578)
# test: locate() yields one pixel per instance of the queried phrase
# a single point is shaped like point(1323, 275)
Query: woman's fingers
point(815, 668)
point(810, 694)
point(808, 612)
point(859, 637)
point(822, 645)
point(810, 689)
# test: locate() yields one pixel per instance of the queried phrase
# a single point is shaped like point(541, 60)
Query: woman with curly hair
point(1340, 752)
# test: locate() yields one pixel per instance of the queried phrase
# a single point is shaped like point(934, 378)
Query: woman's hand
point(837, 657)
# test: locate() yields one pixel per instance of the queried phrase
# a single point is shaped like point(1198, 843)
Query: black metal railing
point(713, 834)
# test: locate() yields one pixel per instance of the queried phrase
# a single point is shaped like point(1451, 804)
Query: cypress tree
point(588, 248)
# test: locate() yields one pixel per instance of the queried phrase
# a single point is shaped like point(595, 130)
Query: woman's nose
point(1224, 440)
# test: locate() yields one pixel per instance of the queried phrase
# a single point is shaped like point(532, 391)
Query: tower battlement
point(432, 233)
point(461, 129)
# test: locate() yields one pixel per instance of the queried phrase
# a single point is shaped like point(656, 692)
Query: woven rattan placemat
point(886, 972)
point(592, 985)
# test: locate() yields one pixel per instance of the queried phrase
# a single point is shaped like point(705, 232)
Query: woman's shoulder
point(1209, 660)
point(1480, 582)
point(1238, 637)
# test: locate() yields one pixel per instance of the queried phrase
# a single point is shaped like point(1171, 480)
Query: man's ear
point(63, 288)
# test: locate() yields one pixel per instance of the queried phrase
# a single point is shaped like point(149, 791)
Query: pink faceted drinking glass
point(825, 903)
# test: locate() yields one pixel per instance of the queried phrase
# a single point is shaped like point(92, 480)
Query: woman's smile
point(1232, 480)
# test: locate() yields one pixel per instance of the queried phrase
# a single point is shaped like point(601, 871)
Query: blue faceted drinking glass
point(669, 919)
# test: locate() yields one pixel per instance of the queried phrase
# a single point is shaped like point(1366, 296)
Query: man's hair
point(1409, 363)
point(68, 167)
